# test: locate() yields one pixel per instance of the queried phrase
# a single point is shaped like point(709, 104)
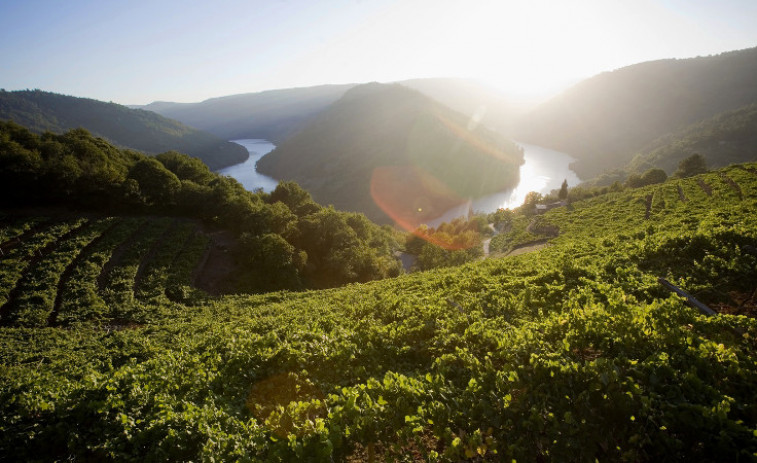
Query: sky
point(139, 51)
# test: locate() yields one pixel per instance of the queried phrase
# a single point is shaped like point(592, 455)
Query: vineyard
point(571, 353)
point(64, 272)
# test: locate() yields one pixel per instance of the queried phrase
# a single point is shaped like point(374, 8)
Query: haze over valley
point(352, 231)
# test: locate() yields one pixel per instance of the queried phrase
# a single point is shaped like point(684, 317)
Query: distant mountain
point(727, 138)
point(273, 114)
point(605, 120)
point(392, 152)
point(471, 98)
point(277, 114)
point(132, 128)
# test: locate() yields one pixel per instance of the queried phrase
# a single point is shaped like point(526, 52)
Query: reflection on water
point(543, 171)
point(245, 172)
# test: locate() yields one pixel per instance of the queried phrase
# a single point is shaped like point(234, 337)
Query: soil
point(525, 249)
point(743, 304)
point(648, 205)
point(704, 186)
point(683, 197)
point(214, 274)
point(735, 186)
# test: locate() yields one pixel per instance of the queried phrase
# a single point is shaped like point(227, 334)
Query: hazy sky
point(138, 51)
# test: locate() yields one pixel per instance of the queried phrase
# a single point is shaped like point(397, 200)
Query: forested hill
point(136, 129)
point(605, 120)
point(389, 151)
point(273, 114)
point(727, 138)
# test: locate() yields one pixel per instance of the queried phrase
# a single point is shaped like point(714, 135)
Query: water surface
point(245, 171)
point(543, 171)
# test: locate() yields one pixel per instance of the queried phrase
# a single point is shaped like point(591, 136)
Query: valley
point(419, 271)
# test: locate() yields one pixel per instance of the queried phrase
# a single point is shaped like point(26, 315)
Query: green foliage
point(650, 177)
point(572, 353)
point(723, 139)
point(692, 165)
point(450, 244)
point(325, 247)
point(136, 129)
point(157, 184)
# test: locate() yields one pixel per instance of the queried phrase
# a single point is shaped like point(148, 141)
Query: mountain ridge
point(137, 129)
point(392, 134)
point(606, 119)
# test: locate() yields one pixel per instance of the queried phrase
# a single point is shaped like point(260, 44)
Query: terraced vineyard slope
point(73, 271)
point(571, 353)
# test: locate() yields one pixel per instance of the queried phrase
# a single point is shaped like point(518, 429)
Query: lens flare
point(411, 197)
point(467, 135)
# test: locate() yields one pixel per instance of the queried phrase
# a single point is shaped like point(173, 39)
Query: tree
point(158, 184)
point(692, 165)
point(295, 198)
point(653, 176)
point(563, 194)
point(529, 203)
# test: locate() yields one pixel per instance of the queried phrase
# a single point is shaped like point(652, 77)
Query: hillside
point(272, 115)
point(136, 129)
point(281, 240)
point(604, 121)
point(573, 353)
point(727, 138)
point(391, 152)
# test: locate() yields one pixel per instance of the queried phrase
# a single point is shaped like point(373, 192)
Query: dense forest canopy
point(136, 129)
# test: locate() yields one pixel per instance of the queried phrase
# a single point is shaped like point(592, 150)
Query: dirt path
point(147, 259)
point(648, 205)
point(529, 247)
point(13, 243)
point(66, 275)
point(117, 255)
point(735, 186)
point(704, 186)
point(681, 195)
point(218, 265)
point(34, 259)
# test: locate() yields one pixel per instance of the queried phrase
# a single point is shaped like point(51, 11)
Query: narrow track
point(37, 256)
point(66, 275)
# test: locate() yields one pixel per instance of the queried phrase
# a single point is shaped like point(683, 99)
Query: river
point(543, 170)
point(245, 171)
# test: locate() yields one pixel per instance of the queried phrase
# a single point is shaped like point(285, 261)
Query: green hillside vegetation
point(273, 115)
point(604, 121)
point(284, 240)
point(390, 145)
point(136, 129)
point(572, 353)
point(727, 138)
